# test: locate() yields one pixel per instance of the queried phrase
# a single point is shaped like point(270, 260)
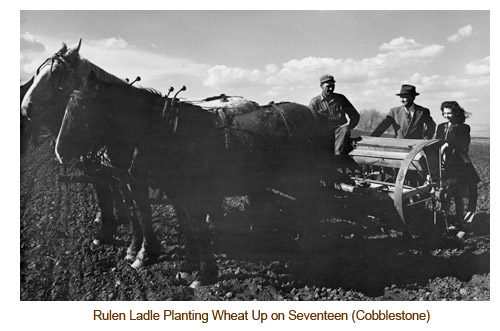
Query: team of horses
point(138, 136)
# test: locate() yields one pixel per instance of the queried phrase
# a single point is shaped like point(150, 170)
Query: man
point(410, 121)
point(334, 107)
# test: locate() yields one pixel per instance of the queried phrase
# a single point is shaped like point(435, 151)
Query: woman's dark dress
point(458, 163)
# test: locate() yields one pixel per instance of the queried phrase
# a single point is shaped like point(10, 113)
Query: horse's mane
point(104, 77)
point(149, 90)
point(85, 67)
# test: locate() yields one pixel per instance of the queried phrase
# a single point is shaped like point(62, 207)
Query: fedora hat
point(408, 89)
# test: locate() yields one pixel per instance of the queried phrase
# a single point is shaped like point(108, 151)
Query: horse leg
point(119, 202)
point(107, 226)
point(200, 266)
point(137, 235)
point(121, 199)
point(208, 273)
point(191, 261)
point(150, 248)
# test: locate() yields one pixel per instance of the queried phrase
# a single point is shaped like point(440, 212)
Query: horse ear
point(63, 48)
point(77, 49)
point(73, 52)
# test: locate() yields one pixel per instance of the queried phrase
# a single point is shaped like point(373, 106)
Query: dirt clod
point(345, 251)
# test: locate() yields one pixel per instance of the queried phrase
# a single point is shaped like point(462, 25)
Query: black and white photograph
point(252, 155)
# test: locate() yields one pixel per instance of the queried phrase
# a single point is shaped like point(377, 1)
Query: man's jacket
point(421, 125)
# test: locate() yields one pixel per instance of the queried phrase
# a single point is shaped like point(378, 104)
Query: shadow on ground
point(351, 249)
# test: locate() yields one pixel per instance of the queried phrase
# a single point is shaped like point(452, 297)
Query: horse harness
point(170, 113)
point(281, 111)
point(64, 85)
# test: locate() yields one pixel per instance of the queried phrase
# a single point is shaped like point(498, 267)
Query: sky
point(280, 55)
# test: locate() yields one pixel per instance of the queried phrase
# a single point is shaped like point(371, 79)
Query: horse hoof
point(195, 285)
point(101, 242)
point(138, 264)
point(182, 276)
point(97, 242)
point(130, 256)
point(105, 241)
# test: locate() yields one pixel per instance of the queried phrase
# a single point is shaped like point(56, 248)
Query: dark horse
point(196, 157)
point(43, 102)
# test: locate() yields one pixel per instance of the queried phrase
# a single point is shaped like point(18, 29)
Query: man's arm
point(383, 126)
point(352, 113)
point(430, 125)
point(314, 105)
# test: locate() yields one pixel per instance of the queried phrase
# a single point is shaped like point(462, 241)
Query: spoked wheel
point(411, 173)
point(419, 187)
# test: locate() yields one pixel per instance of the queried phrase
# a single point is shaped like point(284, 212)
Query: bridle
point(94, 157)
point(63, 84)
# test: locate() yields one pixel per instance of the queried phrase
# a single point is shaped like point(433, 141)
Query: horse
point(54, 81)
point(43, 103)
point(26, 133)
point(186, 150)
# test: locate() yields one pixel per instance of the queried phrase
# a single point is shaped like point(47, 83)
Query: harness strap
point(283, 116)
point(227, 124)
point(171, 115)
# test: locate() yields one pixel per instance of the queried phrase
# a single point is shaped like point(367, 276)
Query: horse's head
point(82, 124)
point(53, 83)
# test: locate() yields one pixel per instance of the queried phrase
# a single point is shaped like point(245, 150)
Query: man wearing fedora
point(334, 107)
point(410, 121)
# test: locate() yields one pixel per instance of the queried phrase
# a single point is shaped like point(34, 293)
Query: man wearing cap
point(334, 107)
point(410, 121)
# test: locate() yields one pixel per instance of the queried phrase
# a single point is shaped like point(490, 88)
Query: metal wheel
point(411, 173)
point(419, 187)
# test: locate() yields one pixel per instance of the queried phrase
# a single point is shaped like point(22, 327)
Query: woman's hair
point(458, 111)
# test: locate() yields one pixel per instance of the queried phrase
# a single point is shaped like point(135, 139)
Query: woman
point(457, 162)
